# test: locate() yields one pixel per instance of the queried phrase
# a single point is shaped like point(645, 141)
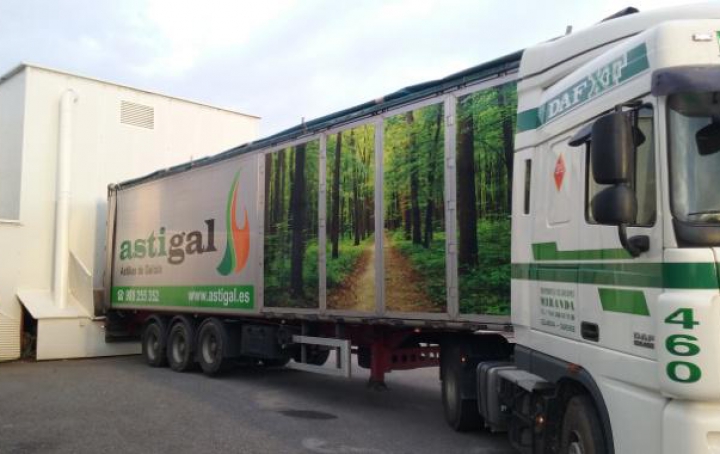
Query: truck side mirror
point(616, 205)
point(614, 139)
point(613, 145)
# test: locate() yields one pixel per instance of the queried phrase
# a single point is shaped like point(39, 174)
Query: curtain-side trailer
point(385, 230)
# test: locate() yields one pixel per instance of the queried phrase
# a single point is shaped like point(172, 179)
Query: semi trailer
point(544, 227)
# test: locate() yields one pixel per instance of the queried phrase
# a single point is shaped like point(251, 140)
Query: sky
point(282, 60)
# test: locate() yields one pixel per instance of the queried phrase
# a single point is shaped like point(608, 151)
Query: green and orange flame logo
point(237, 249)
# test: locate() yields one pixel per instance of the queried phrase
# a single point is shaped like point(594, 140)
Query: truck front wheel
point(461, 413)
point(180, 345)
point(581, 430)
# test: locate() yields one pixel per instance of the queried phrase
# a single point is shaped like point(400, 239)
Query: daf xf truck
point(545, 227)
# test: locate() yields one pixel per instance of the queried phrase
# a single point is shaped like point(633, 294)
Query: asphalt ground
point(120, 405)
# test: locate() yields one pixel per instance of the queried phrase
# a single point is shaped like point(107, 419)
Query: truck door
point(556, 239)
point(615, 288)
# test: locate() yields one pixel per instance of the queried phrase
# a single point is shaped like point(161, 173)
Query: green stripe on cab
point(527, 120)
point(549, 251)
point(623, 301)
point(698, 276)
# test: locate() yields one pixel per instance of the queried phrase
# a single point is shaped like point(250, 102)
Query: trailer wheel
point(154, 339)
point(581, 432)
point(461, 413)
point(315, 355)
point(211, 346)
point(180, 345)
point(364, 356)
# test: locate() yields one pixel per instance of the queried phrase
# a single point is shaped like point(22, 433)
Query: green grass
point(429, 263)
point(337, 270)
point(277, 273)
point(485, 289)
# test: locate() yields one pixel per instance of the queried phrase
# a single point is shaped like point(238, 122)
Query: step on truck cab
point(615, 235)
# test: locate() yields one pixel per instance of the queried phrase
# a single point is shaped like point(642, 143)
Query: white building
point(63, 139)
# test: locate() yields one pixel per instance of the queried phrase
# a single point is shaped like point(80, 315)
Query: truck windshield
point(694, 136)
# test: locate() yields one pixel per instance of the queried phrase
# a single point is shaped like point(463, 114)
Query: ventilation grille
point(137, 115)
point(9, 338)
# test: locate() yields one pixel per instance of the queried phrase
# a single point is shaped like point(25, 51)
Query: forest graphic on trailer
point(350, 251)
point(414, 208)
point(484, 157)
point(291, 227)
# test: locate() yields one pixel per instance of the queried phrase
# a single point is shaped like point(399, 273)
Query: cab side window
point(644, 181)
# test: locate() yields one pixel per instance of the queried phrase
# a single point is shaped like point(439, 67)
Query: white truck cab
point(616, 228)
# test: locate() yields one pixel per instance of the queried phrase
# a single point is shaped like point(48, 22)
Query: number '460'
point(682, 345)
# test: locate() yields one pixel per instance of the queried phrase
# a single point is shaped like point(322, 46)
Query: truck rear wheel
point(154, 339)
point(211, 346)
point(461, 413)
point(180, 345)
point(581, 430)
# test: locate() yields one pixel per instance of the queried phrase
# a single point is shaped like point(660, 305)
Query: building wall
point(104, 150)
point(12, 96)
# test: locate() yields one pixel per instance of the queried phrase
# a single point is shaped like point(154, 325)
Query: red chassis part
point(387, 352)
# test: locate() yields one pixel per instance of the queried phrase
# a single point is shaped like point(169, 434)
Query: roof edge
point(24, 65)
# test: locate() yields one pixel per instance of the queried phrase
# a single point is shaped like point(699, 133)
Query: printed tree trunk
point(342, 213)
point(291, 175)
point(429, 210)
point(279, 192)
point(414, 182)
point(297, 209)
point(361, 191)
point(508, 144)
point(268, 175)
point(466, 200)
point(335, 217)
point(357, 215)
point(408, 221)
point(398, 212)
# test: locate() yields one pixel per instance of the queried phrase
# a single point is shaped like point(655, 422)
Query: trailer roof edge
point(502, 65)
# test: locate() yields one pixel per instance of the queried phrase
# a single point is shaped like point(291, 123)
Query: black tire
point(460, 413)
point(154, 340)
point(364, 357)
point(315, 355)
point(181, 345)
point(581, 430)
point(212, 343)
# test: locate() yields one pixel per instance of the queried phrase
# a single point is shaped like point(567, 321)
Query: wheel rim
point(152, 345)
point(210, 348)
point(575, 446)
point(179, 348)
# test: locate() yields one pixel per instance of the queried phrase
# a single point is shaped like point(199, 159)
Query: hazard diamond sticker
point(559, 172)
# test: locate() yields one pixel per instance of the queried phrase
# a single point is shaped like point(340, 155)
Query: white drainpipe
point(62, 207)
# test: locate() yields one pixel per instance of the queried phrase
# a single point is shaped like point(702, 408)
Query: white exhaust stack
point(62, 207)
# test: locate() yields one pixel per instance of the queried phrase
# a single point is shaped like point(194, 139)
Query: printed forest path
point(403, 285)
point(366, 280)
point(357, 292)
